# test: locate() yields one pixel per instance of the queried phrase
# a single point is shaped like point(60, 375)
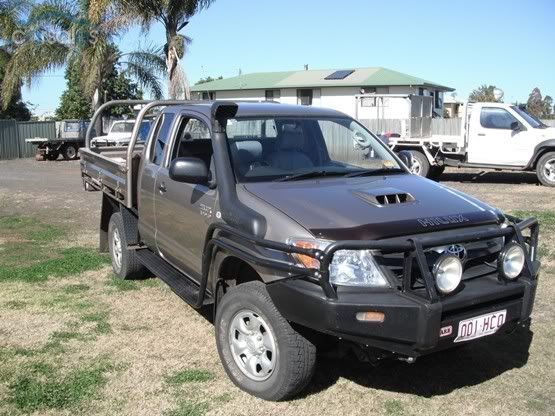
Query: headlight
point(448, 273)
point(356, 268)
point(511, 261)
point(348, 267)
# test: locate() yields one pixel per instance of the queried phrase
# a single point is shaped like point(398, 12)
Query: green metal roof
point(361, 77)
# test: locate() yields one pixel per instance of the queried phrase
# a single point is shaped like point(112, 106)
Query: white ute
point(493, 136)
point(120, 133)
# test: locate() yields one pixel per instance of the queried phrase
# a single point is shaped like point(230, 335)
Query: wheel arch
point(540, 150)
point(130, 222)
point(228, 267)
point(418, 148)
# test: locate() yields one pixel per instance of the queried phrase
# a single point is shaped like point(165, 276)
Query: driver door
point(492, 140)
point(184, 211)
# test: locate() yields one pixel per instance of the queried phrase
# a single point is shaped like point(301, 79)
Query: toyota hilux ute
point(262, 213)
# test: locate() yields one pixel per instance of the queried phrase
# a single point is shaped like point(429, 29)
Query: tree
point(174, 15)
point(117, 86)
point(547, 107)
point(11, 15)
point(207, 79)
point(59, 32)
point(484, 93)
point(535, 104)
point(73, 103)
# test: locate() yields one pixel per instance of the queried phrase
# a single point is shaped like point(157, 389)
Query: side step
point(180, 283)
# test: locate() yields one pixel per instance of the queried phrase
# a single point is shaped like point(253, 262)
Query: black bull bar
point(412, 249)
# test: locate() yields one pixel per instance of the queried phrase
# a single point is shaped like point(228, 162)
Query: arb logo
point(445, 331)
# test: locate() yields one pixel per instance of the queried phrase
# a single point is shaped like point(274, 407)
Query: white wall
point(338, 98)
point(241, 95)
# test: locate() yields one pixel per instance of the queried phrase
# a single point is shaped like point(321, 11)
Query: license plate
point(481, 326)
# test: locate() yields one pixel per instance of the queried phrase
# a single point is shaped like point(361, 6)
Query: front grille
point(480, 260)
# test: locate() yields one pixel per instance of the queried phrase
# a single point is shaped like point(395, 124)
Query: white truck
point(494, 136)
point(120, 133)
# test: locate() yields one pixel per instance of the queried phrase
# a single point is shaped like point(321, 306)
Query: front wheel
point(260, 351)
point(545, 169)
point(420, 164)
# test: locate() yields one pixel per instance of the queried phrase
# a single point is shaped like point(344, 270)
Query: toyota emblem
point(457, 250)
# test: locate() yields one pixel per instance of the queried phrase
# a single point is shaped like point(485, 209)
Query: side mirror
point(189, 170)
point(406, 158)
point(515, 126)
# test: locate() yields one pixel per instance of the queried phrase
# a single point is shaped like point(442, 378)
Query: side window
point(193, 140)
point(496, 118)
point(161, 137)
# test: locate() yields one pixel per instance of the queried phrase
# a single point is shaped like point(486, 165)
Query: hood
point(373, 207)
point(549, 133)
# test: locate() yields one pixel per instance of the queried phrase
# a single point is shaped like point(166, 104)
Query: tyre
point(260, 351)
point(435, 172)
point(545, 169)
point(124, 261)
point(420, 165)
point(53, 155)
point(69, 152)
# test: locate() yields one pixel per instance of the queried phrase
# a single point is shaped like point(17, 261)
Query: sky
point(461, 44)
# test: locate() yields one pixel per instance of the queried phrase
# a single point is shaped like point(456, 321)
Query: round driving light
point(511, 261)
point(448, 272)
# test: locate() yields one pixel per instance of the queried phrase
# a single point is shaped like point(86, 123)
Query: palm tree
point(59, 32)
point(174, 15)
point(12, 14)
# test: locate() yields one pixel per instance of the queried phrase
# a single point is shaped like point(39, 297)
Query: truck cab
point(297, 227)
point(493, 135)
point(504, 134)
point(119, 133)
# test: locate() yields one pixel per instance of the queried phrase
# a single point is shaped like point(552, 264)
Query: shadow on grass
point(482, 176)
point(434, 375)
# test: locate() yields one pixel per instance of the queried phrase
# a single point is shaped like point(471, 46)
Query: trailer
point(70, 137)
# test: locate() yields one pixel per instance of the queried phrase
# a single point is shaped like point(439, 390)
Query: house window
point(273, 95)
point(421, 91)
point(304, 97)
point(438, 99)
point(209, 95)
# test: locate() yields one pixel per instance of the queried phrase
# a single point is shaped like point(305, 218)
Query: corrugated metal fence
point(9, 140)
point(13, 135)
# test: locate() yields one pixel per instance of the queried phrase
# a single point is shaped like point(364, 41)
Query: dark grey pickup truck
point(300, 228)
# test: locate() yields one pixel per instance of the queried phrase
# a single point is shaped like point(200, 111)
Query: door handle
point(481, 134)
point(162, 188)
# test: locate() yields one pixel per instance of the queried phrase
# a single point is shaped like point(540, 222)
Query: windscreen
point(531, 119)
point(264, 149)
point(122, 127)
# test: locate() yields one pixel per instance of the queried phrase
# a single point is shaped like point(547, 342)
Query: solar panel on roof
point(342, 74)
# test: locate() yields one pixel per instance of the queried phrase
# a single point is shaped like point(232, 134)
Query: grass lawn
point(75, 340)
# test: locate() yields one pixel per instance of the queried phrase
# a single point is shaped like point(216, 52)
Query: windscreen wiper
point(372, 172)
point(308, 175)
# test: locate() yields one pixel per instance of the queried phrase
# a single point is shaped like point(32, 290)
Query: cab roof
point(255, 109)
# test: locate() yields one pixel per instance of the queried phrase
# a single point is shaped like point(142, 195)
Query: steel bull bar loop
point(412, 249)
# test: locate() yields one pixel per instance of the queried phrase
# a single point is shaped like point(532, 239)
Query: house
point(453, 106)
point(352, 91)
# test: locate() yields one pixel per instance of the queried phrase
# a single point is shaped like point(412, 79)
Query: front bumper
point(414, 315)
point(412, 325)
